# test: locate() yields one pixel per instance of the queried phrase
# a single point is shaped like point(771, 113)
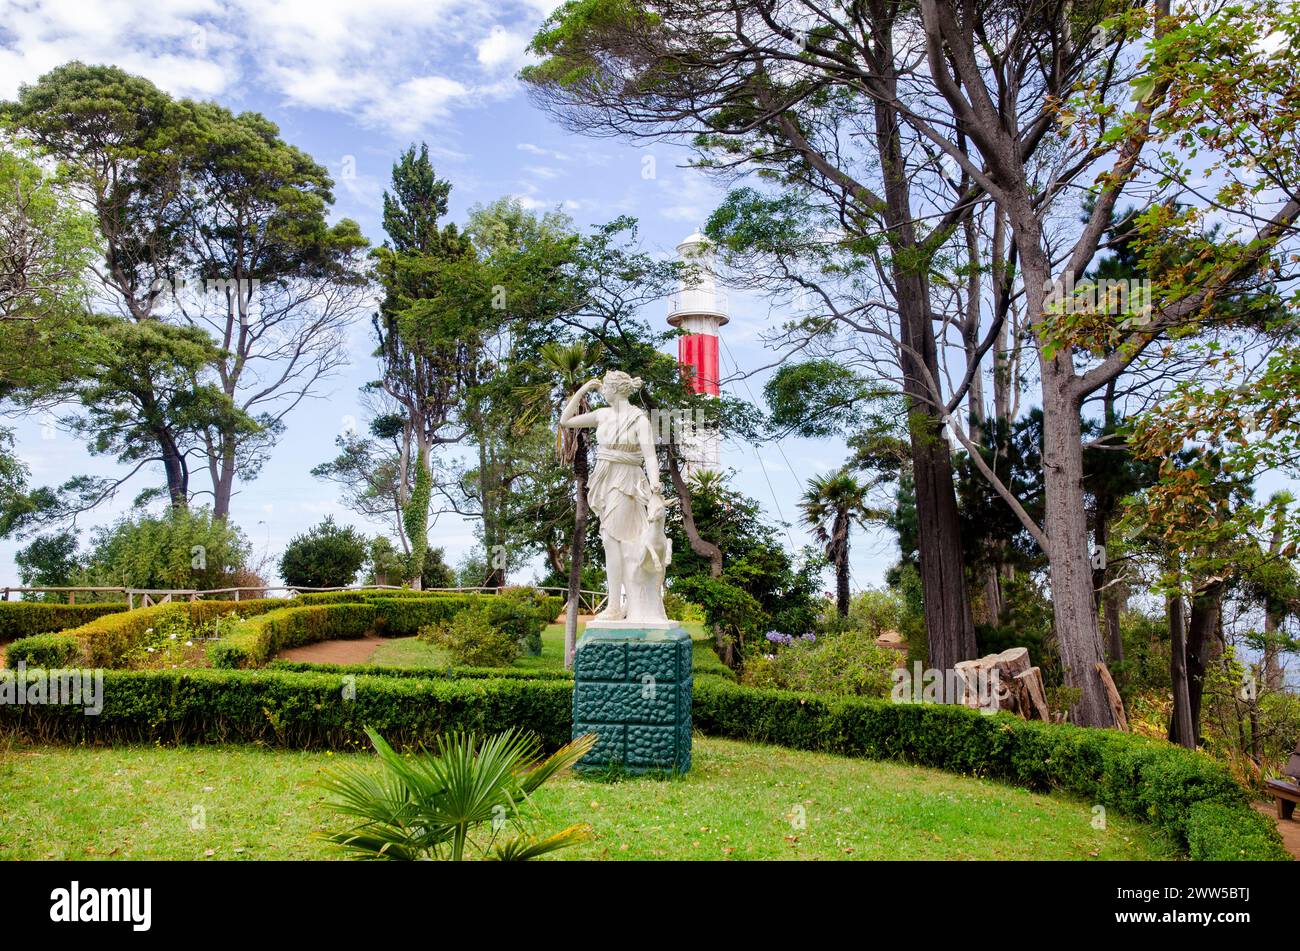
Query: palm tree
point(437, 805)
point(571, 365)
point(830, 505)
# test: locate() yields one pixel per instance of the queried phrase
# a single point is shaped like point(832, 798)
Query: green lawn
point(740, 801)
point(410, 652)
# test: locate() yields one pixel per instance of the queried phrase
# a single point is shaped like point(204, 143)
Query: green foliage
point(27, 618)
point(524, 613)
point(679, 609)
point(1027, 622)
point(44, 650)
point(109, 640)
point(298, 710)
point(437, 805)
point(1219, 833)
point(49, 561)
point(325, 556)
point(473, 640)
point(754, 559)
point(453, 673)
point(404, 616)
point(183, 548)
point(820, 399)
point(256, 640)
point(730, 611)
point(848, 663)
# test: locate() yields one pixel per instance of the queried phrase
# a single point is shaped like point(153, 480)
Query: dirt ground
point(356, 650)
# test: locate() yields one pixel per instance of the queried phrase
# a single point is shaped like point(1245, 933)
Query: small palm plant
point(462, 800)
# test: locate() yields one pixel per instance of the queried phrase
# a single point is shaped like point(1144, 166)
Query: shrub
point(679, 609)
point(405, 616)
point(184, 548)
point(524, 613)
point(473, 640)
point(299, 711)
point(846, 663)
point(256, 640)
point(1219, 833)
point(453, 673)
point(44, 650)
point(433, 805)
point(25, 618)
point(325, 556)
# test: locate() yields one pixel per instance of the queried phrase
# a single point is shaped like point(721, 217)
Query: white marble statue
point(624, 494)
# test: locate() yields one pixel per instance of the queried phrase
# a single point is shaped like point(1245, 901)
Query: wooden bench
point(1285, 788)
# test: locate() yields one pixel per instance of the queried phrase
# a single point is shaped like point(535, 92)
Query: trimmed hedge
point(106, 640)
point(451, 673)
point(352, 597)
point(258, 639)
point(1161, 783)
point(44, 650)
point(29, 618)
point(301, 711)
point(403, 617)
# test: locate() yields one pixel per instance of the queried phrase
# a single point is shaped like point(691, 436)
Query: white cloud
point(399, 65)
point(503, 48)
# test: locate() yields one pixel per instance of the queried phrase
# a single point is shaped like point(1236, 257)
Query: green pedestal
point(632, 688)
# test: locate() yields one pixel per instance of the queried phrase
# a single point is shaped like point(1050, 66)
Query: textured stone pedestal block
point(632, 688)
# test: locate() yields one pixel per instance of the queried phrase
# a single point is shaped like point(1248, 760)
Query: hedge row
point(403, 617)
point(29, 618)
point(1186, 793)
point(297, 710)
point(257, 639)
point(106, 640)
point(352, 597)
point(450, 673)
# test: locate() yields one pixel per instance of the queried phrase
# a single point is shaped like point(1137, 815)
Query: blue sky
point(354, 84)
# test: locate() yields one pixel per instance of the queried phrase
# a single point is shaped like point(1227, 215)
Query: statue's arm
point(646, 438)
point(571, 418)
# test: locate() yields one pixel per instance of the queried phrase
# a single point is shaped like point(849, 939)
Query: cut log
point(1113, 697)
point(1033, 698)
point(991, 680)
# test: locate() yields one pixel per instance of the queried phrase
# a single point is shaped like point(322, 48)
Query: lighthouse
point(700, 309)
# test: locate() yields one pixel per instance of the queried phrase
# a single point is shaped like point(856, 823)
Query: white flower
point(149, 649)
point(172, 636)
point(189, 643)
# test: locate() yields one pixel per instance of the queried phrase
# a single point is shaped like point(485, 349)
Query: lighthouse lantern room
point(699, 309)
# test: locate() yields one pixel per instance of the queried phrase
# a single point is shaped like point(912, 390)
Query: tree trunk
point(1181, 730)
point(576, 549)
point(1065, 524)
point(841, 530)
point(1202, 632)
point(949, 626)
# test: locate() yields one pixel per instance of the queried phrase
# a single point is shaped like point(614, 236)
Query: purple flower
point(776, 637)
point(810, 636)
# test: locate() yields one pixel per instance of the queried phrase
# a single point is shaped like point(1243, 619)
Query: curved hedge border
point(449, 673)
point(104, 641)
point(29, 618)
point(1186, 793)
point(257, 639)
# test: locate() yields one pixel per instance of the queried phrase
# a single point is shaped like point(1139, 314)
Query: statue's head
point(619, 384)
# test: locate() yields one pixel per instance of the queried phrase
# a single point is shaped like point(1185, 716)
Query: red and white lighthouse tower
point(700, 309)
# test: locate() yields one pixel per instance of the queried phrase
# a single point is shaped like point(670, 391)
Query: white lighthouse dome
point(698, 295)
